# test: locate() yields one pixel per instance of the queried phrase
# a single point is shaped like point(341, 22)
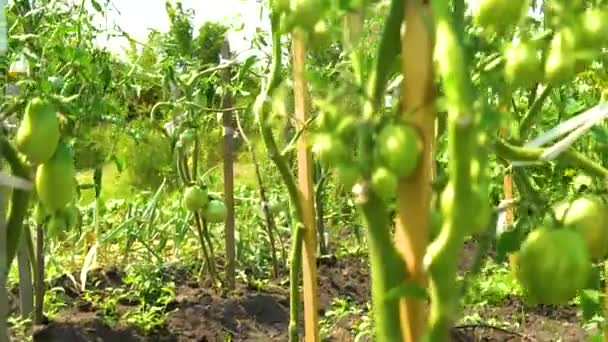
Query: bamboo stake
point(414, 194)
point(305, 180)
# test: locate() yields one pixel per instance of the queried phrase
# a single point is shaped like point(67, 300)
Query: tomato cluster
point(396, 151)
point(38, 139)
point(578, 37)
point(197, 199)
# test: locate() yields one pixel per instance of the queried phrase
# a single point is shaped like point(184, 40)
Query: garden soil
point(250, 314)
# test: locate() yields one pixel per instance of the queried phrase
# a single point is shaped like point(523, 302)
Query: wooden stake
point(305, 182)
point(414, 194)
point(229, 226)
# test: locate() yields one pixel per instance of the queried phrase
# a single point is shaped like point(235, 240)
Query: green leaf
point(408, 289)
point(599, 134)
point(591, 303)
point(96, 6)
point(508, 242)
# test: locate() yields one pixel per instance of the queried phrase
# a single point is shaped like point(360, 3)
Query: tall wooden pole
point(229, 225)
point(306, 185)
point(414, 194)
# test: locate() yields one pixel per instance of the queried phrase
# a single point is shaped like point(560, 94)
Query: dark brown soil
point(249, 314)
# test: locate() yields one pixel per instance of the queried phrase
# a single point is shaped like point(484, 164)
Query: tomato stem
point(19, 200)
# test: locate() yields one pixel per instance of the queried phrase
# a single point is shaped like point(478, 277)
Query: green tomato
point(594, 31)
point(553, 265)
point(347, 175)
point(195, 198)
point(280, 6)
point(384, 182)
point(565, 7)
point(347, 127)
point(39, 133)
point(215, 212)
point(588, 216)
point(305, 14)
point(275, 206)
point(523, 66)
point(55, 179)
point(327, 121)
point(329, 149)
point(399, 149)
point(498, 16)
point(561, 63)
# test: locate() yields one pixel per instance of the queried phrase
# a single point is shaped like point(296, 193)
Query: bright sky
point(137, 17)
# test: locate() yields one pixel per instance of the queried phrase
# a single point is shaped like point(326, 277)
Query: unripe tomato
point(523, 66)
point(346, 127)
point(215, 211)
point(38, 134)
point(329, 149)
point(552, 265)
point(280, 6)
point(275, 206)
point(588, 216)
point(562, 7)
point(398, 147)
point(497, 16)
point(195, 198)
point(384, 183)
point(347, 175)
point(55, 179)
point(560, 63)
point(306, 13)
point(594, 31)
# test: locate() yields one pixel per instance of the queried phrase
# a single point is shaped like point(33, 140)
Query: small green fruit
point(523, 66)
point(553, 265)
point(55, 179)
point(384, 183)
point(215, 212)
point(195, 198)
point(38, 134)
point(329, 149)
point(398, 147)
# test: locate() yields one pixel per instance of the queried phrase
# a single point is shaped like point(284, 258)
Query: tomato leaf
point(591, 303)
point(508, 242)
point(96, 6)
